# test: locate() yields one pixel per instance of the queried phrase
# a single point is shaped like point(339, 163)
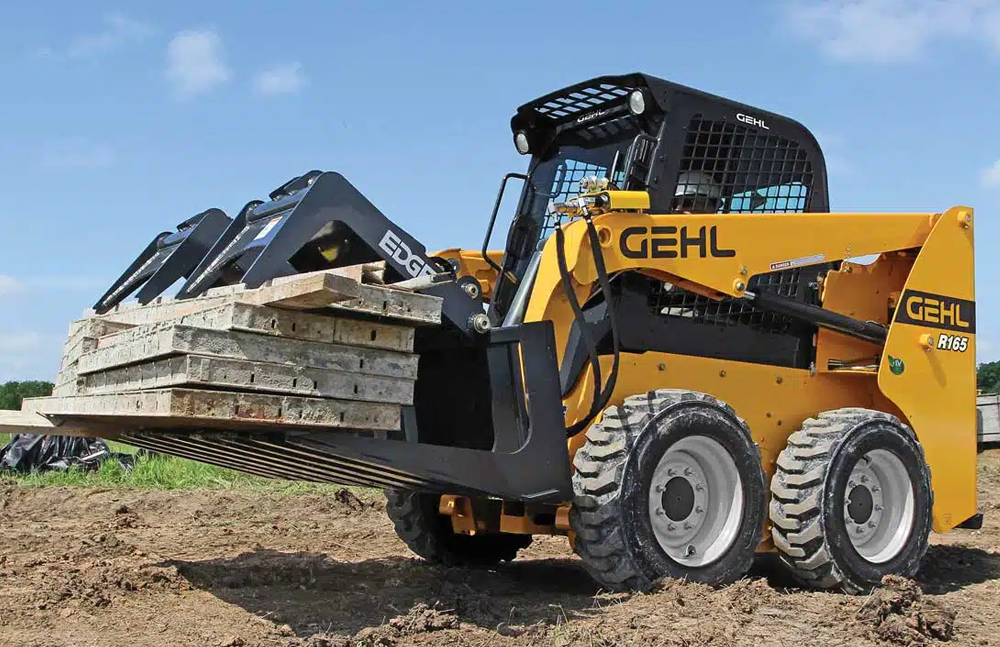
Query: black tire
point(611, 512)
point(429, 534)
point(812, 526)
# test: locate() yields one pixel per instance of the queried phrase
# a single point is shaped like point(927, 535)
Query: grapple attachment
point(169, 257)
point(314, 221)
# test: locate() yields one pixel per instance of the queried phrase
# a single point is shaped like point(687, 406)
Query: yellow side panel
point(863, 292)
point(929, 365)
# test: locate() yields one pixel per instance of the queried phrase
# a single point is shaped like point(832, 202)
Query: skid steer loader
point(673, 360)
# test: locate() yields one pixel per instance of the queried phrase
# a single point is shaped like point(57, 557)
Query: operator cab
point(692, 152)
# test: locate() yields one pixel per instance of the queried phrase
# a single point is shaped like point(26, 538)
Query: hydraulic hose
point(601, 396)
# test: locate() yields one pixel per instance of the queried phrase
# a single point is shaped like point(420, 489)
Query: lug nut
point(698, 487)
point(661, 487)
point(687, 525)
point(687, 471)
point(871, 524)
point(671, 472)
point(878, 508)
point(659, 512)
point(864, 479)
point(698, 509)
point(671, 527)
point(690, 550)
point(851, 484)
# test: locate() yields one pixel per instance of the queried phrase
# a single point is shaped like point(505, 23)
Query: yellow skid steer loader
point(673, 360)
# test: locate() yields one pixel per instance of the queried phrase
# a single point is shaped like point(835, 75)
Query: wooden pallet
point(317, 350)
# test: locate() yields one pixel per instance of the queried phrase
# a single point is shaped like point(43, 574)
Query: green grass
point(161, 472)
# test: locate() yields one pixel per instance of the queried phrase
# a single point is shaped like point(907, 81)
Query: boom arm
point(716, 254)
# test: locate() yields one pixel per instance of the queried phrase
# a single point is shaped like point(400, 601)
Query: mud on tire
point(429, 534)
point(639, 480)
point(851, 501)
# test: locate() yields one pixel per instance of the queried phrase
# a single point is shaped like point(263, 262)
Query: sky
point(123, 119)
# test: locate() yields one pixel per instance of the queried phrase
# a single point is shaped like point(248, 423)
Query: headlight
point(637, 102)
point(521, 142)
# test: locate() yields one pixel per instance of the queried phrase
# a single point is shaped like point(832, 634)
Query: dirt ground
point(88, 567)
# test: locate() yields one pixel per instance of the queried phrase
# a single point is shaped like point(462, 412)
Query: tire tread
point(797, 494)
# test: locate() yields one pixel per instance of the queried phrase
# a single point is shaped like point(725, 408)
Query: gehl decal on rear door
point(667, 242)
point(937, 311)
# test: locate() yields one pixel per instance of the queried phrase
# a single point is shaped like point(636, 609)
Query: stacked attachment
point(316, 350)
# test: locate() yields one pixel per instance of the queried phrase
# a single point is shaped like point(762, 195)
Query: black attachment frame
point(169, 257)
point(200, 280)
point(263, 242)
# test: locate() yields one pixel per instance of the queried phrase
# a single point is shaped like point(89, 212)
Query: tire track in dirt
point(116, 568)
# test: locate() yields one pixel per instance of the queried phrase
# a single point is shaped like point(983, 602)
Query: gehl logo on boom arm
point(668, 242)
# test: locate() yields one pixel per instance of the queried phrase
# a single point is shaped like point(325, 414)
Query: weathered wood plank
point(177, 407)
point(161, 310)
point(66, 381)
point(393, 304)
point(198, 371)
point(303, 291)
point(84, 339)
point(300, 291)
point(291, 324)
point(142, 346)
point(353, 296)
point(30, 422)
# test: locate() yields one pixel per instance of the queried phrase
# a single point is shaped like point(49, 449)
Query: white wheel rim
point(696, 501)
point(879, 506)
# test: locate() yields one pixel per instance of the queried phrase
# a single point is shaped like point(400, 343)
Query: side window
point(783, 198)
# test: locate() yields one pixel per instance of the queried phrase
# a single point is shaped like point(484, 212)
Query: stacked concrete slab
point(322, 349)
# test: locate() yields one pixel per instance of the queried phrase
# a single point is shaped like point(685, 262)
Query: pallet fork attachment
point(528, 461)
point(169, 257)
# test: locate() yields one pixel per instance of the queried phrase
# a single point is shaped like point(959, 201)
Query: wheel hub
point(695, 501)
point(678, 498)
point(878, 506)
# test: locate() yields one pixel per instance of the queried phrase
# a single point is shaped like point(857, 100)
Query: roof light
point(521, 142)
point(637, 102)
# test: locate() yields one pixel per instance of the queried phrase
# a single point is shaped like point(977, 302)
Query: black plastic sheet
point(38, 452)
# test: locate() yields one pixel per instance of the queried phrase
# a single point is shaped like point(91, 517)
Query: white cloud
point(119, 31)
point(990, 176)
point(9, 286)
point(195, 63)
point(78, 155)
point(283, 78)
point(891, 31)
